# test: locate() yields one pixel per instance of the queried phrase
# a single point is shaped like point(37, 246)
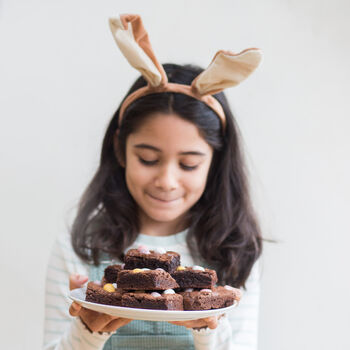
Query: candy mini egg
point(198, 268)
point(160, 250)
point(108, 287)
point(169, 291)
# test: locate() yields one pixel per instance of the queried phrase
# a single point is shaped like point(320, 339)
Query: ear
point(120, 157)
point(132, 39)
point(226, 69)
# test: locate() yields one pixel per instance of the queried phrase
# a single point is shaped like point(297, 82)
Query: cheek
point(136, 174)
point(196, 184)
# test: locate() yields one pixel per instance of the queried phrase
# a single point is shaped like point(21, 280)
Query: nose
point(166, 178)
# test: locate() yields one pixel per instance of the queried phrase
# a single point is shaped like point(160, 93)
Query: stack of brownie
point(154, 279)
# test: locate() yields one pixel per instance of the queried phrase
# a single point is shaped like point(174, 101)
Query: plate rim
point(152, 312)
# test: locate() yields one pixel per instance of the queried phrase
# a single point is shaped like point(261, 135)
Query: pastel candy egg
point(145, 269)
point(189, 290)
point(198, 268)
point(229, 287)
point(169, 291)
point(143, 249)
point(160, 250)
point(108, 287)
point(206, 290)
point(136, 270)
point(155, 294)
point(160, 269)
point(180, 268)
point(122, 266)
point(97, 282)
point(114, 285)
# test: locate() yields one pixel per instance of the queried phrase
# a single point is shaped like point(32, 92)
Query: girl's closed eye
point(147, 162)
point(189, 168)
point(153, 162)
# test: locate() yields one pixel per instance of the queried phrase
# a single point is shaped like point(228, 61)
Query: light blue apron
point(145, 334)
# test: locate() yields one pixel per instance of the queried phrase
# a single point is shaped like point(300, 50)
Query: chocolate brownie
point(168, 300)
point(195, 277)
point(146, 279)
point(111, 273)
point(151, 259)
point(107, 294)
point(206, 299)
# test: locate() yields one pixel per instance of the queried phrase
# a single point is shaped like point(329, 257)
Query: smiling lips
point(163, 200)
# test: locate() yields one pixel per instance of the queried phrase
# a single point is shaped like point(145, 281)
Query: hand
point(211, 322)
point(93, 320)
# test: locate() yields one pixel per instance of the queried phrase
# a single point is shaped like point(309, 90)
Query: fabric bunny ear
point(226, 69)
point(132, 39)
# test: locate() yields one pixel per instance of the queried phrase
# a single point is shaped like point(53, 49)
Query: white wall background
point(62, 77)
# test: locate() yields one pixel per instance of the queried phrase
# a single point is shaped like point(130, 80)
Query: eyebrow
point(145, 146)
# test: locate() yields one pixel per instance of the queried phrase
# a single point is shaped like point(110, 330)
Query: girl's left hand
point(211, 322)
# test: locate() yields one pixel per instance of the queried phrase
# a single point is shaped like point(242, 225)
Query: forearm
point(219, 338)
point(77, 337)
point(62, 331)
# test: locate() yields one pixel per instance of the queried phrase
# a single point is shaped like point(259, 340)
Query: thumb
point(76, 281)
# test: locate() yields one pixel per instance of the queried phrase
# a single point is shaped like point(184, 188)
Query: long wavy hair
point(223, 230)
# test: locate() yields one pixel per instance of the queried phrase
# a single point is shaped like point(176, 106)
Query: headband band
point(226, 69)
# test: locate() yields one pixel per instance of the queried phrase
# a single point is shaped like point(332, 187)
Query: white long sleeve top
point(238, 330)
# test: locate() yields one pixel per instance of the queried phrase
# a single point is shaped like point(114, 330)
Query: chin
point(163, 217)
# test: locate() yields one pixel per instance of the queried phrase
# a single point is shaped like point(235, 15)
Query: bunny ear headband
point(225, 70)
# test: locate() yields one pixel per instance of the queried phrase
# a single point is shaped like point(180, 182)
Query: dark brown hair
point(223, 230)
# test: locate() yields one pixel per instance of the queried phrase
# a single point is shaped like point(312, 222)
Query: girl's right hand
point(93, 320)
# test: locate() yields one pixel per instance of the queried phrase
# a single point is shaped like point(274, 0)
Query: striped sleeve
point(238, 330)
point(62, 331)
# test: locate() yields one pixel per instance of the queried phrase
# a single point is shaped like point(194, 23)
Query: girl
point(171, 174)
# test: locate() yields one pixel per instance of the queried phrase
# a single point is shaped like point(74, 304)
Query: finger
point(212, 322)
point(191, 324)
point(74, 309)
point(76, 281)
point(96, 321)
point(180, 323)
point(116, 324)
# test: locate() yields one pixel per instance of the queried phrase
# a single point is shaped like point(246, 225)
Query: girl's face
point(167, 164)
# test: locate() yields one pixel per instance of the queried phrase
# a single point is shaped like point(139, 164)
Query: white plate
point(78, 295)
